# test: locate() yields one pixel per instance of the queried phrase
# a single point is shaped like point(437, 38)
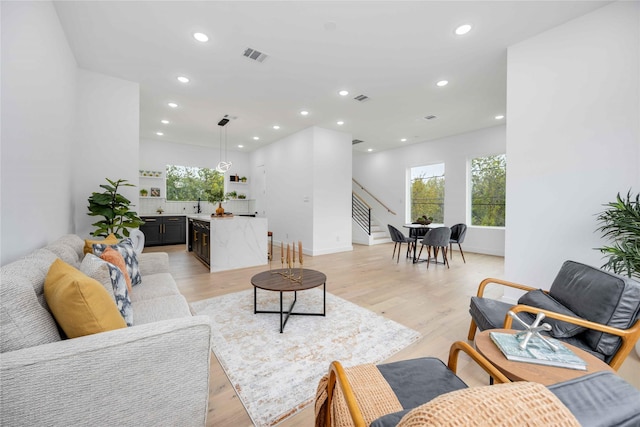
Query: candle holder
point(289, 272)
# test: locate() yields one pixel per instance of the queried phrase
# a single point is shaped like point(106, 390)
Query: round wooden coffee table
point(522, 371)
point(276, 280)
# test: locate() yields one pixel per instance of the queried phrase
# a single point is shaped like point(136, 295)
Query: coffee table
point(523, 371)
point(272, 280)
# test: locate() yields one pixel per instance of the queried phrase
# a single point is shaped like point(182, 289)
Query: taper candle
point(293, 260)
point(300, 250)
point(288, 256)
point(282, 252)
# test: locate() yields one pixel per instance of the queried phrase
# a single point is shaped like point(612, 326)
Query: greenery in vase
point(216, 195)
point(620, 223)
point(115, 208)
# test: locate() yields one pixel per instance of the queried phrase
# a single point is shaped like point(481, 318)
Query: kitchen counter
point(228, 242)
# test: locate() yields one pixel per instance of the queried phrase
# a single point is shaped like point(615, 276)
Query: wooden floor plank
point(433, 301)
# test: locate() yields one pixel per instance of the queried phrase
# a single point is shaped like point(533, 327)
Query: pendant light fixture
point(223, 165)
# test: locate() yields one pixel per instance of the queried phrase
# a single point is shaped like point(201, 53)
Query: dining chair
point(458, 232)
point(437, 238)
point(398, 239)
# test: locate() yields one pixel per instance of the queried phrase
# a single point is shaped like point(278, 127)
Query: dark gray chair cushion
point(490, 313)
point(416, 382)
point(602, 399)
point(560, 329)
point(598, 296)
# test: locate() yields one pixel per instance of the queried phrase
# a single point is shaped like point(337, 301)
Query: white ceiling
point(392, 51)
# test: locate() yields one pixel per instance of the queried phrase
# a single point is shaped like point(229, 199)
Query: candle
point(293, 260)
point(282, 252)
point(288, 255)
point(300, 251)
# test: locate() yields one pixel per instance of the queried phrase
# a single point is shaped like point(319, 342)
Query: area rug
point(275, 375)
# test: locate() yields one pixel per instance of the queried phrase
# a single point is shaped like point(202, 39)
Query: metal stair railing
point(361, 213)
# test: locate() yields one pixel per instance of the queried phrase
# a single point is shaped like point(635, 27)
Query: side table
point(523, 371)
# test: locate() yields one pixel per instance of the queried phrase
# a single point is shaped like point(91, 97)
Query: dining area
point(437, 239)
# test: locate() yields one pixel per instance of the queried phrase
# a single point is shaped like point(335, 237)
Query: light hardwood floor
point(434, 302)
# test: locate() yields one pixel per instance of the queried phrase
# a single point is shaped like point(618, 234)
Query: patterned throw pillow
point(112, 256)
point(125, 247)
point(113, 279)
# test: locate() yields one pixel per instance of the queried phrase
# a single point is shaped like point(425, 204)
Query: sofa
point(155, 372)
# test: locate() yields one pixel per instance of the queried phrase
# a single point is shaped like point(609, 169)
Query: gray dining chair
point(458, 232)
point(436, 238)
point(398, 239)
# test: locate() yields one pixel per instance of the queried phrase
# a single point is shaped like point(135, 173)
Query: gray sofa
point(153, 373)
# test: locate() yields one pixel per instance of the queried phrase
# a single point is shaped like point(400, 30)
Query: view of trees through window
point(187, 183)
point(427, 192)
point(488, 189)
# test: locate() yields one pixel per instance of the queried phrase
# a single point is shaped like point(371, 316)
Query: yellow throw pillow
point(111, 239)
point(80, 304)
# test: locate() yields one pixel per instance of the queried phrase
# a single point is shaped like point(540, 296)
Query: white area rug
point(276, 375)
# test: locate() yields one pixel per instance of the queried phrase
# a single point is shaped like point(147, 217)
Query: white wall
point(38, 107)
point(107, 133)
point(573, 138)
point(306, 173)
point(385, 174)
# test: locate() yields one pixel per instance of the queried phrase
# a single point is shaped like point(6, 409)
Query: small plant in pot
point(217, 196)
point(115, 208)
point(242, 196)
point(620, 224)
point(144, 192)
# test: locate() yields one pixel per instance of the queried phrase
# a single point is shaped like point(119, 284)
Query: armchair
point(587, 307)
point(424, 391)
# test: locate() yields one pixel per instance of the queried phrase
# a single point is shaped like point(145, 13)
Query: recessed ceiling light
point(183, 79)
point(164, 122)
point(403, 140)
point(172, 105)
point(463, 29)
point(201, 37)
point(159, 133)
point(256, 138)
point(442, 83)
point(339, 122)
point(343, 93)
point(276, 127)
point(369, 149)
point(240, 146)
point(304, 113)
point(499, 117)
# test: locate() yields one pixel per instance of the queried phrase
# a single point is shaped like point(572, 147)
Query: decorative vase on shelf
point(219, 209)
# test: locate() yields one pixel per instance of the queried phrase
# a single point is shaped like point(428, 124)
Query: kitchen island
point(227, 242)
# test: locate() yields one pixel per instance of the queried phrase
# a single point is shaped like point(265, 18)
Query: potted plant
point(232, 195)
point(243, 179)
point(217, 196)
point(620, 224)
point(115, 208)
point(242, 196)
point(144, 192)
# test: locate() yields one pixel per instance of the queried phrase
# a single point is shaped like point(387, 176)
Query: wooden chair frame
point(628, 336)
point(337, 375)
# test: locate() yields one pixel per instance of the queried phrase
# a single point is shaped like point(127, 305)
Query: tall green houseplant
point(620, 224)
point(115, 208)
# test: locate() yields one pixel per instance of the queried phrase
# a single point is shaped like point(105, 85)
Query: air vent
point(431, 117)
point(255, 55)
point(361, 98)
point(356, 141)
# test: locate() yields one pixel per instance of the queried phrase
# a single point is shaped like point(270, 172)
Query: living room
point(572, 139)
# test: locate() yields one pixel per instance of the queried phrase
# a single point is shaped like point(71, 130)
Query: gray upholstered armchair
point(592, 309)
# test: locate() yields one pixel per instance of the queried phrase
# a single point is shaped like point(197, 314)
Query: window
point(427, 192)
point(186, 183)
point(488, 186)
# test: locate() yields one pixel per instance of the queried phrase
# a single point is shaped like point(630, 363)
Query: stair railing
point(361, 212)
point(374, 197)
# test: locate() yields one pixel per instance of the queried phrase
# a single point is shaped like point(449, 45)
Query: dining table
point(417, 231)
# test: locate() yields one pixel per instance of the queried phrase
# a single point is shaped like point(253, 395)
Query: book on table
point(537, 351)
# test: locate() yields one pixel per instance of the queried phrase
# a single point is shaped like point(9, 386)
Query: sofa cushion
point(112, 279)
point(80, 304)
point(111, 239)
point(125, 247)
point(162, 308)
point(115, 258)
point(155, 286)
point(65, 252)
point(598, 296)
point(24, 321)
point(560, 329)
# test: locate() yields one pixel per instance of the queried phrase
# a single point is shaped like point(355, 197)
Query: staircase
point(366, 230)
point(378, 234)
